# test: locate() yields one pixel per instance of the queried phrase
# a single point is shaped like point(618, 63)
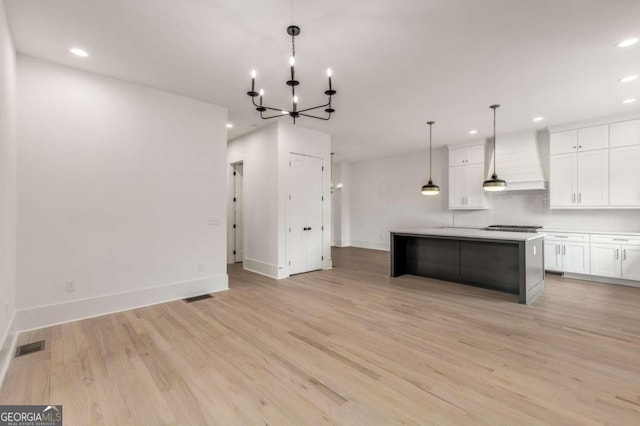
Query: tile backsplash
point(532, 208)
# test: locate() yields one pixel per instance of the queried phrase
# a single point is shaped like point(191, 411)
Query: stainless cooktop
point(513, 228)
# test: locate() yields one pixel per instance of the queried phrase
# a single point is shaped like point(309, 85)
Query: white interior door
point(304, 214)
point(238, 212)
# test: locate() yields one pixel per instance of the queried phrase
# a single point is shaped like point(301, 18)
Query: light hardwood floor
point(347, 346)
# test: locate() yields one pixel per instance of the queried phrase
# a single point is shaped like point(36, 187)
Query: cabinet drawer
point(566, 236)
point(631, 240)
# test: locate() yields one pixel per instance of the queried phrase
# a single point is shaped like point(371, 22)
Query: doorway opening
point(236, 222)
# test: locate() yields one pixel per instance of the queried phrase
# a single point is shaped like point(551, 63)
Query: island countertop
point(472, 233)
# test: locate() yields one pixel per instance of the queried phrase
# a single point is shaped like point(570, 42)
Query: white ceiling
point(397, 64)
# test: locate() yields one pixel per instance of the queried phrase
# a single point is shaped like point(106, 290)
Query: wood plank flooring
point(346, 346)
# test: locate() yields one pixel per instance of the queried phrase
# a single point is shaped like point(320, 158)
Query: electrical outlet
point(214, 221)
point(69, 286)
point(201, 267)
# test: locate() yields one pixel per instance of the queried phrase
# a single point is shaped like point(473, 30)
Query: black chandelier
point(294, 112)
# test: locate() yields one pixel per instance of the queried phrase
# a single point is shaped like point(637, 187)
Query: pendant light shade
point(494, 184)
point(430, 188)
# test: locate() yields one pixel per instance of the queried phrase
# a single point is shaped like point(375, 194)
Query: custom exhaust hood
point(519, 160)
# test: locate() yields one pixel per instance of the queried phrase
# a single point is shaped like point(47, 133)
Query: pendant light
point(430, 188)
point(494, 184)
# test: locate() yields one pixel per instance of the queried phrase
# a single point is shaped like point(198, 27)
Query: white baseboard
point(370, 245)
point(8, 346)
point(263, 268)
point(605, 280)
point(44, 316)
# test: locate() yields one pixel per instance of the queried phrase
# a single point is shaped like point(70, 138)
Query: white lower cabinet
point(600, 255)
point(630, 262)
point(575, 257)
point(567, 253)
point(616, 256)
point(605, 260)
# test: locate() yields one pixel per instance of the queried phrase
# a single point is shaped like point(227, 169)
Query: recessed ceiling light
point(538, 119)
point(628, 42)
point(229, 125)
point(473, 132)
point(79, 52)
point(629, 101)
point(628, 78)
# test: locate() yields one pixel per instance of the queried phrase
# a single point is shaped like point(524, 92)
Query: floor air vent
point(30, 348)
point(196, 298)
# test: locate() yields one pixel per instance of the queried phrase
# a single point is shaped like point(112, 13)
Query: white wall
point(258, 151)
point(119, 188)
point(385, 194)
point(7, 193)
point(340, 206)
point(265, 157)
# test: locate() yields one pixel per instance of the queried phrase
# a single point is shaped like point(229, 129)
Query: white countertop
point(471, 233)
point(573, 231)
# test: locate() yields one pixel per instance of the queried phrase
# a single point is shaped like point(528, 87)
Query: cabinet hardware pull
point(557, 249)
point(624, 254)
point(619, 239)
point(580, 197)
point(573, 197)
point(564, 250)
point(617, 254)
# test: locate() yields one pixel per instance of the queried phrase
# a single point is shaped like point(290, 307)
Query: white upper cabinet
point(605, 172)
point(564, 142)
point(473, 154)
point(593, 178)
point(596, 137)
point(626, 133)
point(625, 176)
point(466, 174)
point(563, 178)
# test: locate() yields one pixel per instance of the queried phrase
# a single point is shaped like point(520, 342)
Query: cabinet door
point(575, 257)
point(563, 142)
point(593, 178)
point(563, 180)
point(475, 154)
point(626, 133)
point(457, 157)
point(596, 137)
point(605, 260)
point(631, 262)
point(457, 197)
point(625, 176)
point(473, 178)
point(552, 256)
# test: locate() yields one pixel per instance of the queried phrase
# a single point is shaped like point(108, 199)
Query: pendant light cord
point(494, 108)
point(430, 152)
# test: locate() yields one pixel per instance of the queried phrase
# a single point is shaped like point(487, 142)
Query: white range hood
point(518, 161)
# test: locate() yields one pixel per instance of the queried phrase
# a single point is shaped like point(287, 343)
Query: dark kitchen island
point(512, 262)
